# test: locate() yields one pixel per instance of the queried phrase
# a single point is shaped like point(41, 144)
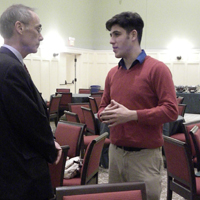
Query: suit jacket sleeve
point(27, 114)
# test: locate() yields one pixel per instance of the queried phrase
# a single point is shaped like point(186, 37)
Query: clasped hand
point(116, 113)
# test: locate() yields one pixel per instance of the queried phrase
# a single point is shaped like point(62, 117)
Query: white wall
point(92, 66)
point(85, 20)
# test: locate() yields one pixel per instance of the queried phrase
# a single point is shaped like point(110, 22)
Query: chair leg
point(56, 121)
point(169, 191)
point(97, 176)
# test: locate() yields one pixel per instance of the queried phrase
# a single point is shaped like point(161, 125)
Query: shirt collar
point(17, 54)
point(139, 59)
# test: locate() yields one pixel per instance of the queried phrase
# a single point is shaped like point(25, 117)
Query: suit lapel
point(6, 51)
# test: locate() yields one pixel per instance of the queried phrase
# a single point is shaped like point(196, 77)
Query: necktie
point(26, 69)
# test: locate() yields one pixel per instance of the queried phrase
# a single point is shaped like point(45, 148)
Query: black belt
point(130, 148)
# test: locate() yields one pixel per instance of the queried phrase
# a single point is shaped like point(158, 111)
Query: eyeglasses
point(39, 29)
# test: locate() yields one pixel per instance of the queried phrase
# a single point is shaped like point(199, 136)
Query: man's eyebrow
point(116, 31)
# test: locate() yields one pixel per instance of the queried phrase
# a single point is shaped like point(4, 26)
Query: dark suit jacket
point(26, 139)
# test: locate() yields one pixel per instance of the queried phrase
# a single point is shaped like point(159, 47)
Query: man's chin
point(117, 56)
point(34, 51)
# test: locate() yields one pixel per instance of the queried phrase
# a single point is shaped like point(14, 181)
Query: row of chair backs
point(66, 90)
point(180, 170)
point(65, 100)
point(88, 91)
point(92, 128)
point(117, 191)
point(84, 91)
point(81, 112)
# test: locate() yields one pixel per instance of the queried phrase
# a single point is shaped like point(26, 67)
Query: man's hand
point(116, 113)
point(59, 149)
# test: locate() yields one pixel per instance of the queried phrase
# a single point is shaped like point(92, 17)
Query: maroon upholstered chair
point(97, 94)
point(98, 100)
point(179, 100)
point(180, 170)
point(93, 104)
point(117, 191)
point(90, 121)
point(66, 90)
point(65, 100)
point(71, 117)
point(195, 135)
point(91, 160)
point(192, 135)
point(92, 129)
point(69, 133)
point(181, 109)
point(187, 137)
point(76, 108)
point(57, 171)
point(84, 91)
point(53, 109)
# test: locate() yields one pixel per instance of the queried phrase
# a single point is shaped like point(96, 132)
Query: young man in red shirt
point(139, 97)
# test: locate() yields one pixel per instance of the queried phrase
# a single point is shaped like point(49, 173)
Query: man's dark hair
point(128, 21)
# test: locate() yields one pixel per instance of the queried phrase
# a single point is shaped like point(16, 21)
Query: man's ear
point(19, 27)
point(133, 34)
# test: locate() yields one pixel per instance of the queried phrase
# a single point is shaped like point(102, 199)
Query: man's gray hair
point(11, 15)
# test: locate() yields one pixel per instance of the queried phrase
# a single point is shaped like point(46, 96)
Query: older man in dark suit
point(27, 144)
